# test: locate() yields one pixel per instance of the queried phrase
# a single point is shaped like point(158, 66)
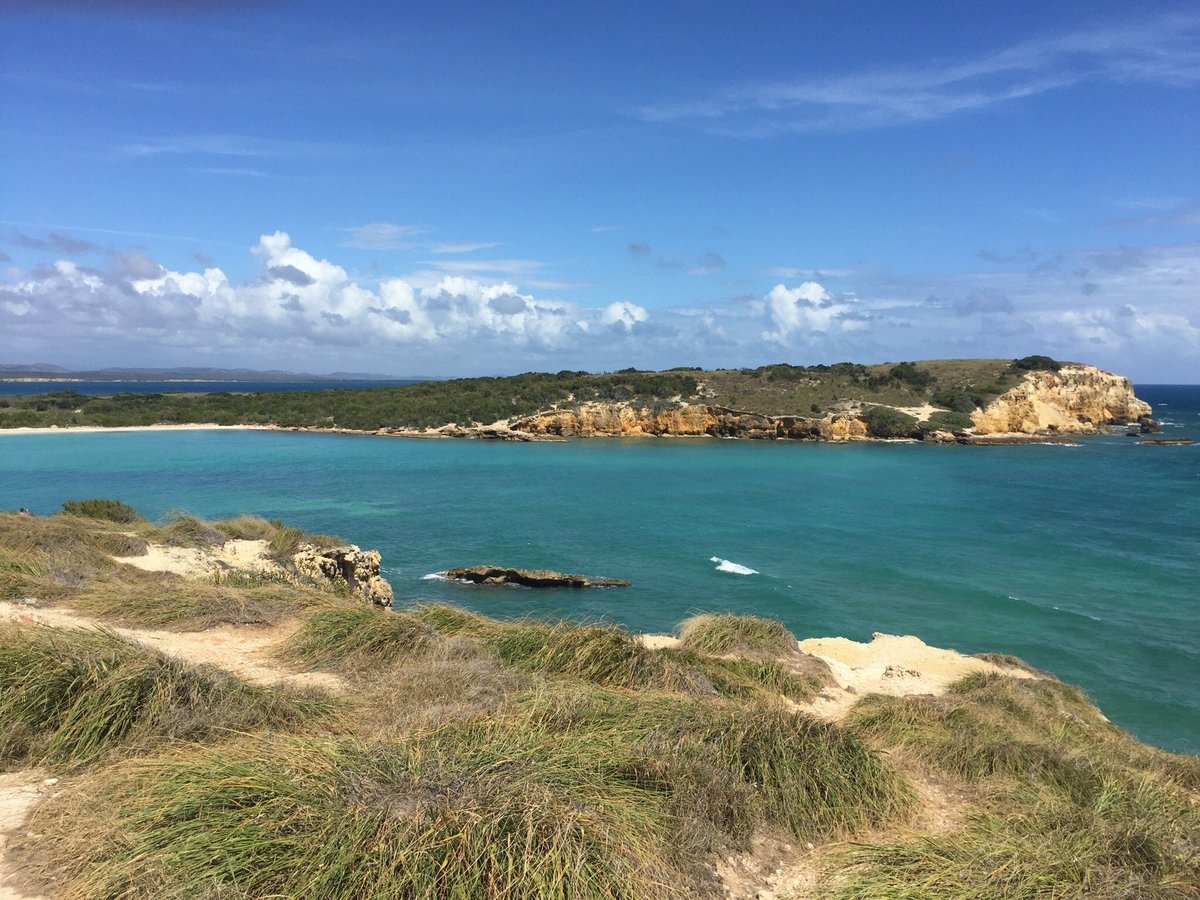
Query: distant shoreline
point(95, 429)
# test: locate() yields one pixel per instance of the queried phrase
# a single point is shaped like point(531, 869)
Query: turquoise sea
point(1083, 559)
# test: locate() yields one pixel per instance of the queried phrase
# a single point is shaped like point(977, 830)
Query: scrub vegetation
point(781, 389)
point(468, 757)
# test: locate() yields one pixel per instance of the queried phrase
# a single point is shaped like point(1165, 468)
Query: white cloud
point(381, 236)
point(623, 314)
point(1143, 316)
point(1159, 50)
point(804, 309)
point(464, 246)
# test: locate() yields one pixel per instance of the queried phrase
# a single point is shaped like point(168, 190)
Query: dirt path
point(243, 650)
point(19, 792)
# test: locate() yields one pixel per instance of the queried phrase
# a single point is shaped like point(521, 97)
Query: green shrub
point(886, 422)
point(108, 510)
point(1036, 364)
point(949, 421)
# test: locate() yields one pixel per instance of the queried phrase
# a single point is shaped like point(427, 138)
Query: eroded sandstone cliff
point(1077, 399)
point(1074, 400)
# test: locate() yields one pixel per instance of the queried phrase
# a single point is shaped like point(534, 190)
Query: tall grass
point(108, 510)
point(183, 530)
point(484, 813)
point(751, 762)
point(357, 639)
point(156, 601)
point(1129, 840)
point(360, 639)
point(1070, 805)
point(69, 696)
point(727, 633)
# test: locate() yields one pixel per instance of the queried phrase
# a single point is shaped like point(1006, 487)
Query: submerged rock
point(536, 578)
point(357, 568)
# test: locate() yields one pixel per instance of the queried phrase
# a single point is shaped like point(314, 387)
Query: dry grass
point(157, 600)
point(726, 633)
point(1067, 804)
point(70, 696)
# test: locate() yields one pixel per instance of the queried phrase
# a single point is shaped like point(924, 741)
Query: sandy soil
point(897, 665)
point(243, 650)
point(246, 556)
point(920, 413)
point(19, 792)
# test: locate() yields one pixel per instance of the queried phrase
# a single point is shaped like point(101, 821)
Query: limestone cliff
point(1074, 400)
point(358, 569)
point(682, 420)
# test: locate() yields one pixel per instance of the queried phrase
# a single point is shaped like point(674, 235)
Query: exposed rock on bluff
point(358, 568)
point(626, 420)
point(537, 578)
point(1077, 399)
point(1074, 400)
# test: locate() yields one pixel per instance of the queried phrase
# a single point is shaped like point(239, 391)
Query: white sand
point(896, 665)
point(96, 429)
point(246, 556)
point(899, 666)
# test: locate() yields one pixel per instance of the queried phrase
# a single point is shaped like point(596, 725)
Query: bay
point(1082, 559)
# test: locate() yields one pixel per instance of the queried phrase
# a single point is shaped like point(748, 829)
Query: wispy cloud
point(1181, 214)
point(233, 145)
point(464, 246)
point(602, 229)
point(381, 236)
point(1161, 50)
point(514, 268)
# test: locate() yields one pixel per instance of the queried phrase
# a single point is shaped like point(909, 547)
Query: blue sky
point(478, 189)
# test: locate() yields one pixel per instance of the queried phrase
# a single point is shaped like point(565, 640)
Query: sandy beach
point(96, 429)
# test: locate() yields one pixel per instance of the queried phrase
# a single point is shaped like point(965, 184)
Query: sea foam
point(724, 565)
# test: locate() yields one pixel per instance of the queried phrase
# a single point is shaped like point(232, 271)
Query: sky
point(469, 188)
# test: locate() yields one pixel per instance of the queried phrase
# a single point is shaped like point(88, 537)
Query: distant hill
point(188, 373)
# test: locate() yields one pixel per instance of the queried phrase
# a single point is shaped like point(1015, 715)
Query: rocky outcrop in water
point(535, 578)
point(358, 569)
point(1074, 400)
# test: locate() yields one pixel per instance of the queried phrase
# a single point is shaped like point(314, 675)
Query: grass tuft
point(183, 530)
point(151, 601)
point(69, 696)
point(108, 510)
point(358, 639)
point(727, 633)
point(484, 812)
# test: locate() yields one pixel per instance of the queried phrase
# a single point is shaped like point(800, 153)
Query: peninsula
point(228, 708)
point(966, 401)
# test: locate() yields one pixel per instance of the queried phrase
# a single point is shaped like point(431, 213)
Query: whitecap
point(434, 576)
point(724, 565)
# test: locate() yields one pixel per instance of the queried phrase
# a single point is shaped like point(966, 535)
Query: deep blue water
point(1081, 559)
point(103, 388)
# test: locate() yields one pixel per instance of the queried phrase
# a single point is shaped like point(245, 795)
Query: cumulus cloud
point(1137, 311)
point(297, 300)
point(802, 310)
point(624, 315)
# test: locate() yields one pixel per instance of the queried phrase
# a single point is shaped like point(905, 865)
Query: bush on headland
point(469, 757)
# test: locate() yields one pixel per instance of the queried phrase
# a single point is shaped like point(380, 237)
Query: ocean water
point(1081, 559)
